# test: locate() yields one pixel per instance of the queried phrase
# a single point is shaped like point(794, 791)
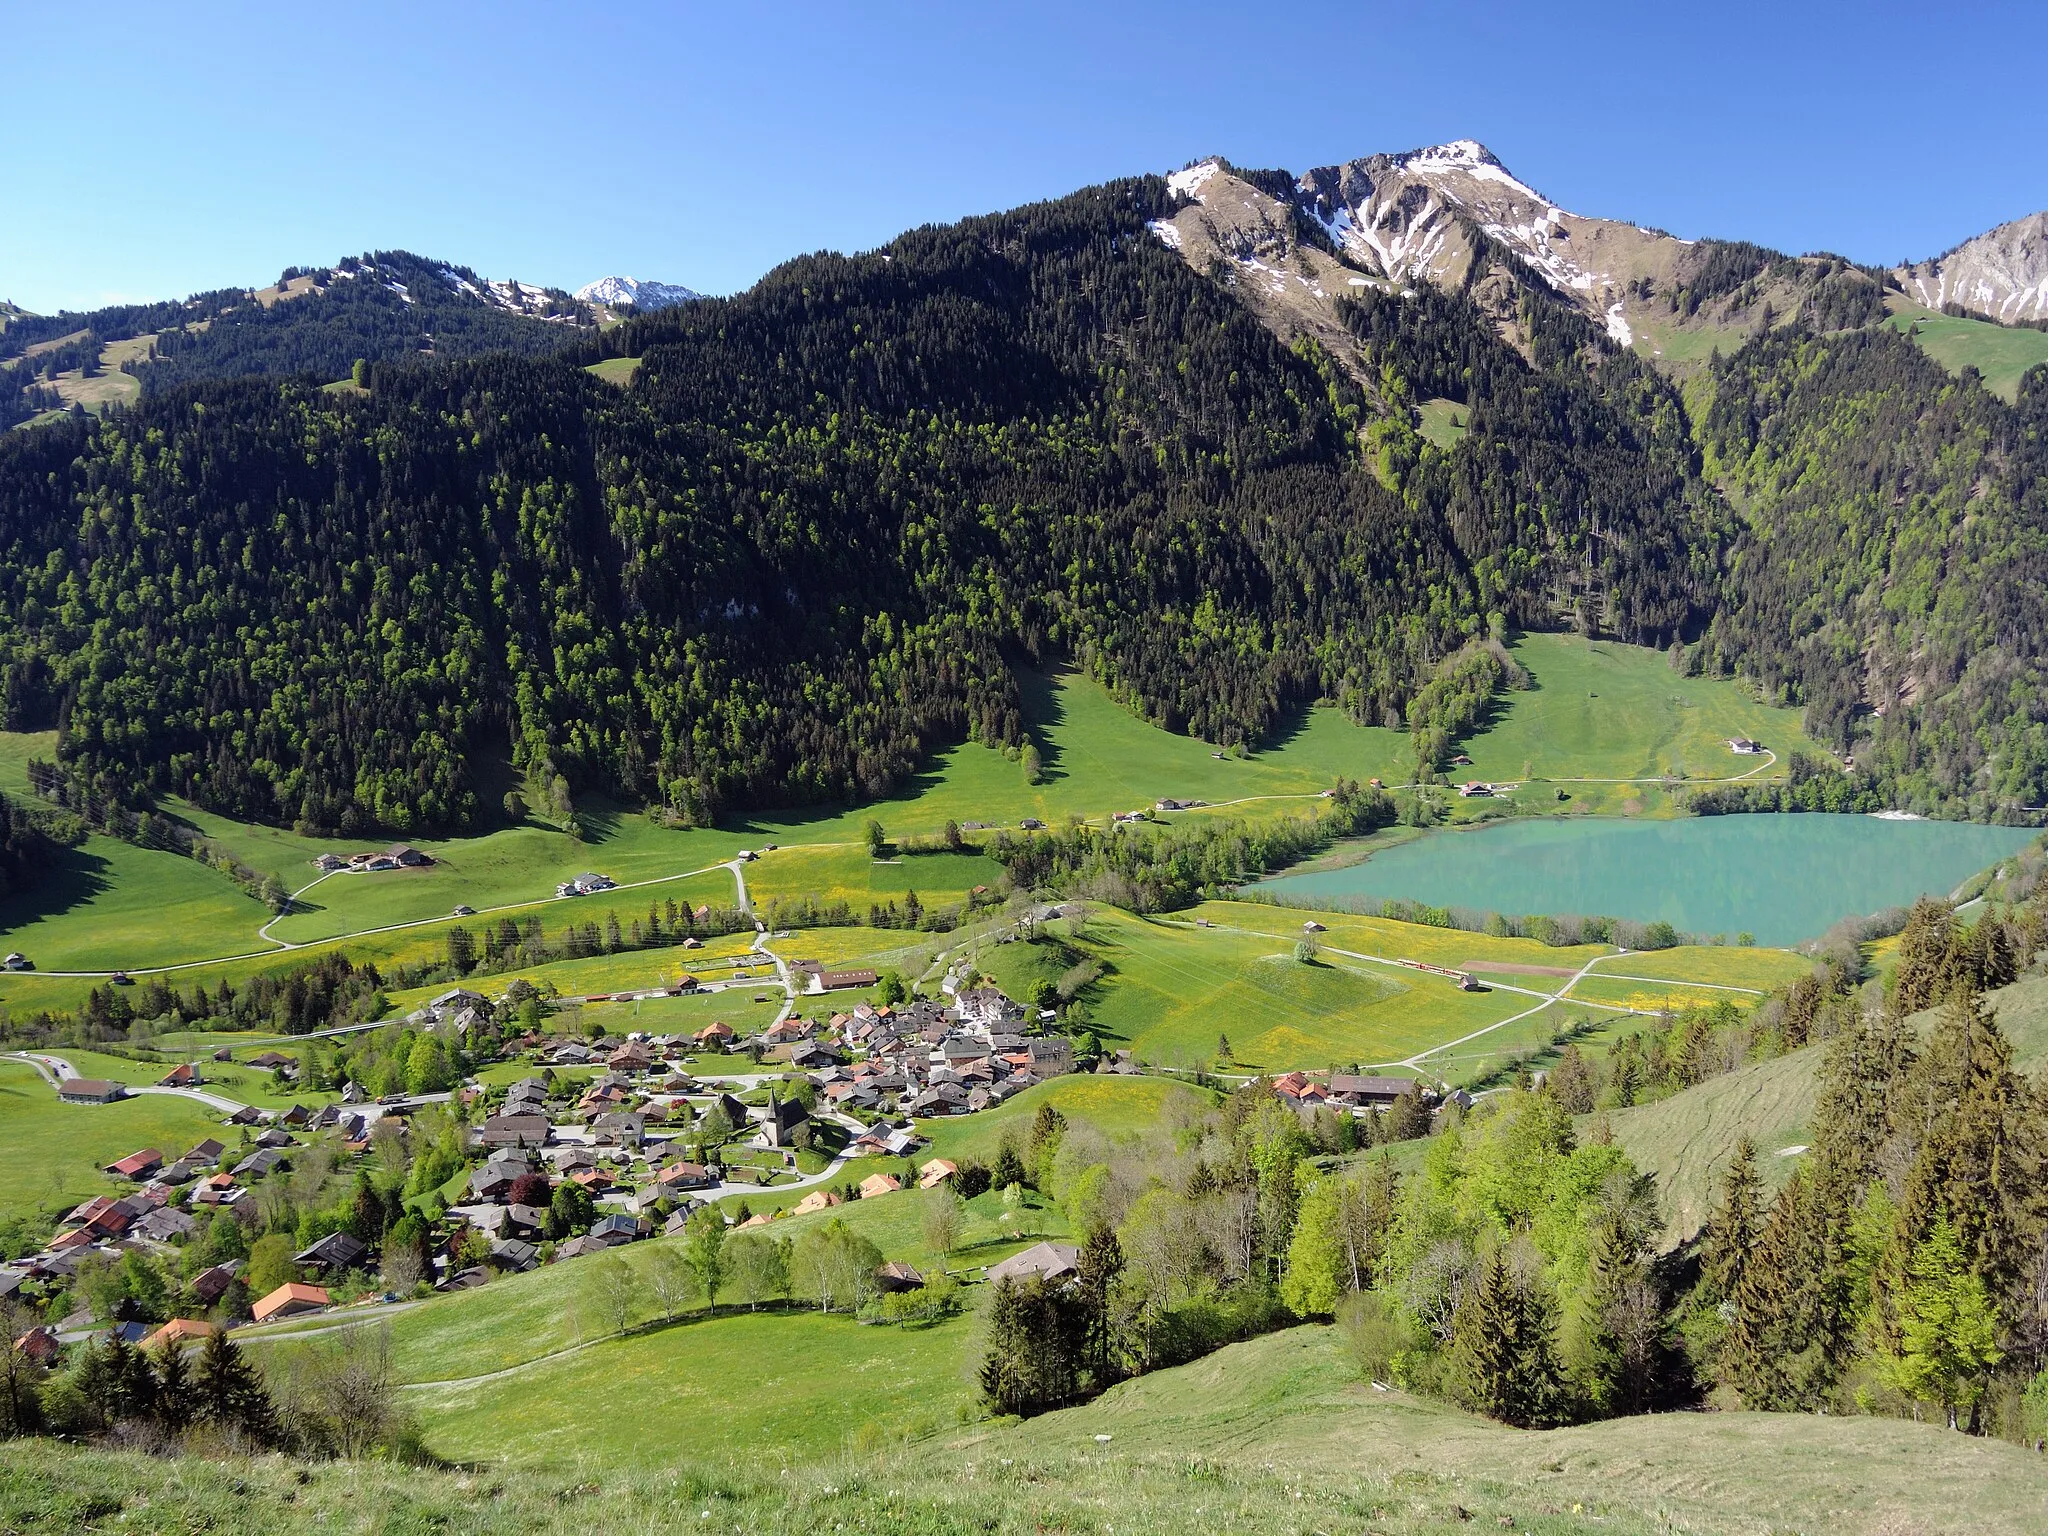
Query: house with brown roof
point(183, 1075)
point(1046, 1261)
point(879, 1184)
point(268, 1060)
point(89, 1090)
point(936, 1172)
point(289, 1300)
point(816, 1200)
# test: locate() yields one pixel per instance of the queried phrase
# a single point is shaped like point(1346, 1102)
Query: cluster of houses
point(927, 1059)
point(1358, 1095)
point(397, 856)
point(152, 1219)
point(586, 885)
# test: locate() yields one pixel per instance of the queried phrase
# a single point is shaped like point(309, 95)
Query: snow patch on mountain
point(1188, 183)
point(641, 293)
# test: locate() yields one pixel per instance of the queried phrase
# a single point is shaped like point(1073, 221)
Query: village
point(606, 1141)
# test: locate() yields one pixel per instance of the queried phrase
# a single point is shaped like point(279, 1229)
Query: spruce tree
point(1506, 1353)
point(1925, 950)
point(1752, 1355)
point(228, 1392)
point(1731, 1231)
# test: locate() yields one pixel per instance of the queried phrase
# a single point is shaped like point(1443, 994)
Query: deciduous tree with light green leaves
point(1948, 1329)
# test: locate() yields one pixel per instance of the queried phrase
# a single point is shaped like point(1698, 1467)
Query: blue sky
point(155, 150)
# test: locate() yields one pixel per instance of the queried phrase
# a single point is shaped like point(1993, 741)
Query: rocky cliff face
point(2002, 274)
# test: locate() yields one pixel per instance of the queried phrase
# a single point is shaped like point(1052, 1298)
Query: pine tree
point(1621, 1323)
point(1925, 951)
point(228, 1392)
point(1752, 1356)
point(175, 1399)
point(1731, 1231)
point(1506, 1354)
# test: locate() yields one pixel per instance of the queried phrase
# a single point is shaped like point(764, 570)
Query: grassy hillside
point(1271, 1437)
point(2000, 353)
point(1686, 1140)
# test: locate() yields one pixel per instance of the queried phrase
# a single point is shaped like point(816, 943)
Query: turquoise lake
point(1782, 878)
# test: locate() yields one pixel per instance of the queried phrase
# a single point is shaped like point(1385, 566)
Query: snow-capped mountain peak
point(641, 293)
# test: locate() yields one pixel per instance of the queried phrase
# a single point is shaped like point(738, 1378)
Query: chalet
point(816, 1200)
point(406, 856)
point(1473, 789)
point(1742, 746)
point(620, 1128)
point(289, 1300)
point(515, 1130)
point(328, 863)
point(879, 1184)
point(514, 1254)
point(184, 1075)
point(614, 1230)
point(717, 1035)
point(1047, 1261)
point(898, 1276)
point(333, 1253)
point(1031, 824)
point(525, 1220)
point(137, 1165)
point(835, 981)
point(274, 1139)
point(180, 1331)
point(271, 1060)
point(208, 1152)
point(1369, 1092)
point(936, 1172)
point(209, 1285)
point(89, 1090)
point(164, 1225)
point(261, 1163)
point(685, 1176)
point(40, 1345)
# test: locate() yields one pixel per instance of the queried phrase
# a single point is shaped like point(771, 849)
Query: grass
point(51, 1153)
point(744, 1389)
point(1114, 1105)
point(1443, 422)
point(1169, 988)
point(1275, 1437)
point(615, 370)
point(1688, 1139)
point(2000, 353)
point(625, 971)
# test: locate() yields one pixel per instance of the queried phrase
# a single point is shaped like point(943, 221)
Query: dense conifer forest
point(803, 547)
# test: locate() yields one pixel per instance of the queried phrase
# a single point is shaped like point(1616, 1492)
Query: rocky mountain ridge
point(640, 293)
point(2002, 274)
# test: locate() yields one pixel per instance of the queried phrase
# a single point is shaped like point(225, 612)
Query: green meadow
point(52, 1154)
point(765, 1389)
point(2000, 353)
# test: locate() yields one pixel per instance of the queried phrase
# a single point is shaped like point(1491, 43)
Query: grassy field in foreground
point(760, 1390)
point(51, 1153)
point(2000, 353)
point(1276, 1437)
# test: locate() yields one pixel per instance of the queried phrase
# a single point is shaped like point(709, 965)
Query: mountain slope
point(2001, 274)
point(386, 306)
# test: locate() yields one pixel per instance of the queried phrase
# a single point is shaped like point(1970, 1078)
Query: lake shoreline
point(1782, 877)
